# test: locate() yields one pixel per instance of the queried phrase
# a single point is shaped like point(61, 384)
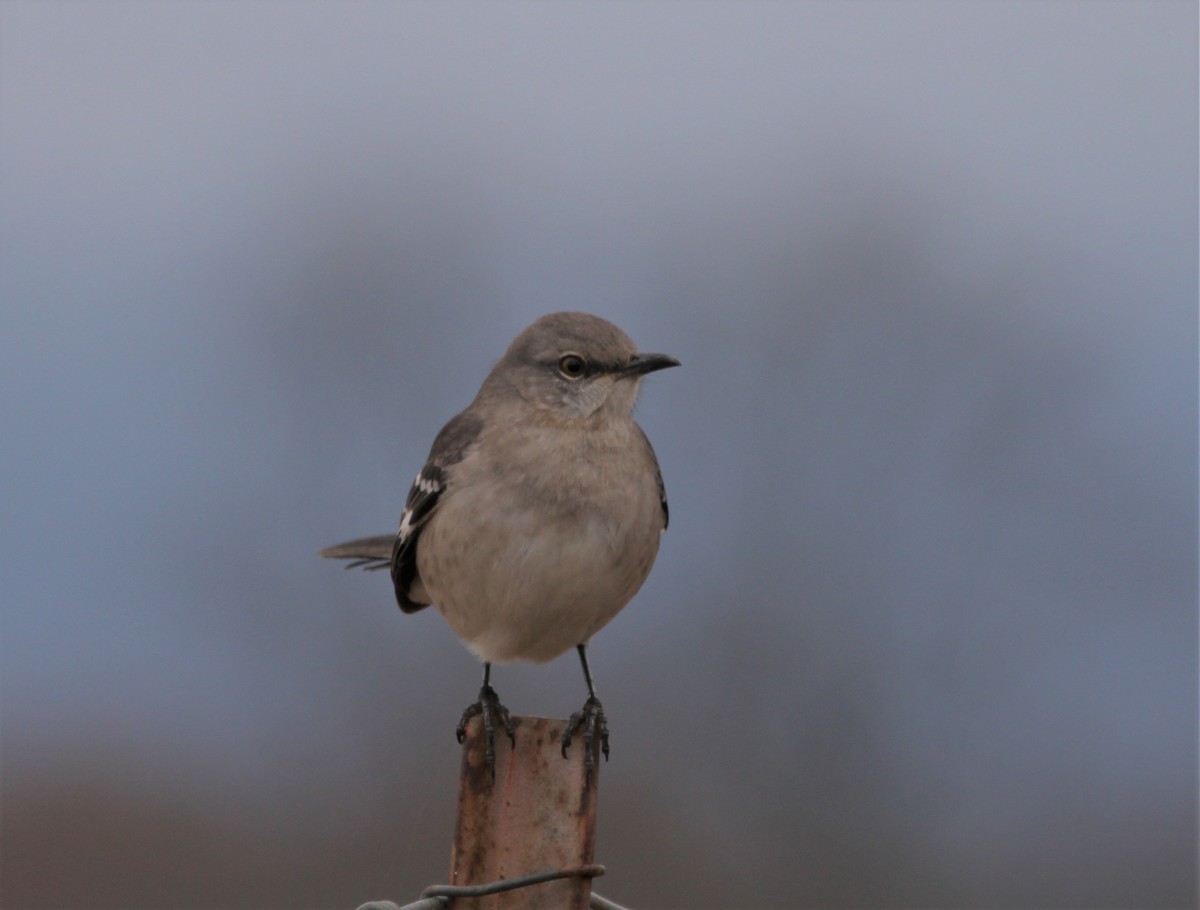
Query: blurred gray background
point(923, 631)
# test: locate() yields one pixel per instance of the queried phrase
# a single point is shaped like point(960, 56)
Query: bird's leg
point(490, 708)
point(590, 718)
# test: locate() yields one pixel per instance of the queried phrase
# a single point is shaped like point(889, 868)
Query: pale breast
point(526, 565)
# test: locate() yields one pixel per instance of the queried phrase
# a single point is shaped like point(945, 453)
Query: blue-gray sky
point(923, 630)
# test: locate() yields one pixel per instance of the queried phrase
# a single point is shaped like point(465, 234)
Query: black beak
point(641, 364)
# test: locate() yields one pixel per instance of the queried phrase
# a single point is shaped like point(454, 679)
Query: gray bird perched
point(537, 515)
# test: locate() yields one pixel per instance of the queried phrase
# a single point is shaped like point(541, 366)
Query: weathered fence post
point(538, 814)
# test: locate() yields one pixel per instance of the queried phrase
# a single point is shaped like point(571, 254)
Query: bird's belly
point(536, 582)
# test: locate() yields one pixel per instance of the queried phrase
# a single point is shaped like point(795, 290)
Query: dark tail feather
point(370, 553)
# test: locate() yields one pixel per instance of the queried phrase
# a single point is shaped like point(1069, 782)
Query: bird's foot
point(590, 718)
point(489, 707)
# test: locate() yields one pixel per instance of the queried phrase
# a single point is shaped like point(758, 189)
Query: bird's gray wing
point(662, 496)
point(662, 488)
point(449, 448)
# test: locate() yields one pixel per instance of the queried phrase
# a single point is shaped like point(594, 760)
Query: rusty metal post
point(538, 814)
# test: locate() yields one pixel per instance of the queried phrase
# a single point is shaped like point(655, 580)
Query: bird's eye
point(572, 366)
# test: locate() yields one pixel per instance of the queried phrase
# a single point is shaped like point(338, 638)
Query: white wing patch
point(427, 484)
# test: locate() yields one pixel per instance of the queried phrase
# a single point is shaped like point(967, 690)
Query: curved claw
point(489, 707)
point(593, 723)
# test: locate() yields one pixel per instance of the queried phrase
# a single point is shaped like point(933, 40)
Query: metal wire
point(511, 884)
point(603, 903)
point(438, 897)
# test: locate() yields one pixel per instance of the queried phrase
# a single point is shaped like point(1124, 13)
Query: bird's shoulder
point(455, 439)
point(451, 445)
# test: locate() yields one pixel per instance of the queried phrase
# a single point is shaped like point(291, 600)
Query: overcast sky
point(923, 629)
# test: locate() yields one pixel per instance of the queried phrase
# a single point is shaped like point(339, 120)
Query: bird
point(537, 515)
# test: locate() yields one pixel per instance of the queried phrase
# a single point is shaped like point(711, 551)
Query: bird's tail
point(370, 553)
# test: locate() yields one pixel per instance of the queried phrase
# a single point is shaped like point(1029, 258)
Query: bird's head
point(576, 365)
